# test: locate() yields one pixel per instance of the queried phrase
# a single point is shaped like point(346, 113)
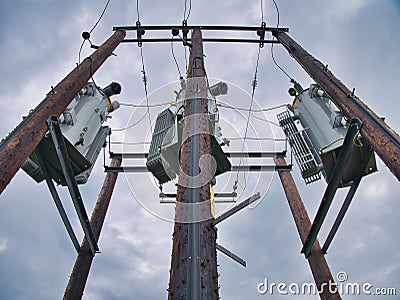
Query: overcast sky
point(40, 40)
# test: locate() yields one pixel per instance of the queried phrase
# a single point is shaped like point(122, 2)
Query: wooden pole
point(193, 273)
point(319, 267)
point(383, 139)
point(80, 272)
point(21, 142)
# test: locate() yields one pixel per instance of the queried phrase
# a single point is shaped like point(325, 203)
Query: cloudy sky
point(40, 40)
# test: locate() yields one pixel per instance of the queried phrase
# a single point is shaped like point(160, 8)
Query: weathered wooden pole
point(80, 272)
point(21, 142)
point(319, 267)
point(193, 273)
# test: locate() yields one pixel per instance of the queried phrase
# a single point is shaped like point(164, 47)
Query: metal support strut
point(65, 162)
point(56, 198)
point(333, 184)
point(368, 152)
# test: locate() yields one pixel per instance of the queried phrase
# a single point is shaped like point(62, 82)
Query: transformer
point(164, 152)
point(316, 128)
point(82, 128)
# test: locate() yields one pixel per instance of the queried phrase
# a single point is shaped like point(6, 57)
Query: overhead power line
point(93, 28)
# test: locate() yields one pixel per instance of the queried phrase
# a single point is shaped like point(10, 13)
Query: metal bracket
point(216, 195)
point(56, 198)
point(235, 209)
point(138, 155)
point(139, 33)
point(231, 255)
point(140, 30)
point(261, 34)
point(185, 32)
point(62, 153)
point(367, 154)
point(250, 168)
point(333, 184)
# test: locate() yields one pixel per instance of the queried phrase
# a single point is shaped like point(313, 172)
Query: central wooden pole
point(193, 273)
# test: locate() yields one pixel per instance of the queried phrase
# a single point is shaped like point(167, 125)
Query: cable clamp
point(139, 33)
point(261, 33)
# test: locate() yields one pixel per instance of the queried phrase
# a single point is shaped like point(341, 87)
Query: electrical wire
point(265, 120)
point(262, 11)
point(277, 13)
point(186, 59)
point(273, 59)
point(254, 85)
point(132, 125)
point(356, 141)
point(80, 51)
point(130, 144)
point(332, 143)
point(173, 55)
point(145, 105)
point(137, 10)
point(101, 16)
point(144, 77)
point(186, 17)
point(272, 44)
point(93, 28)
point(91, 76)
point(145, 87)
point(255, 139)
point(253, 110)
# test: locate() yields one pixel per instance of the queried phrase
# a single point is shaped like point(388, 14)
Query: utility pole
point(80, 272)
point(22, 141)
point(318, 265)
point(193, 273)
point(383, 139)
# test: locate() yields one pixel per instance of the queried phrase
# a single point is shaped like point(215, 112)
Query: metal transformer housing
point(320, 136)
point(164, 152)
point(82, 128)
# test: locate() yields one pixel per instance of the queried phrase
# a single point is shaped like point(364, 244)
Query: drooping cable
point(272, 44)
point(173, 55)
point(132, 125)
point(80, 51)
point(265, 120)
point(254, 85)
point(93, 28)
point(277, 13)
point(184, 46)
point(273, 59)
point(101, 16)
point(253, 110)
